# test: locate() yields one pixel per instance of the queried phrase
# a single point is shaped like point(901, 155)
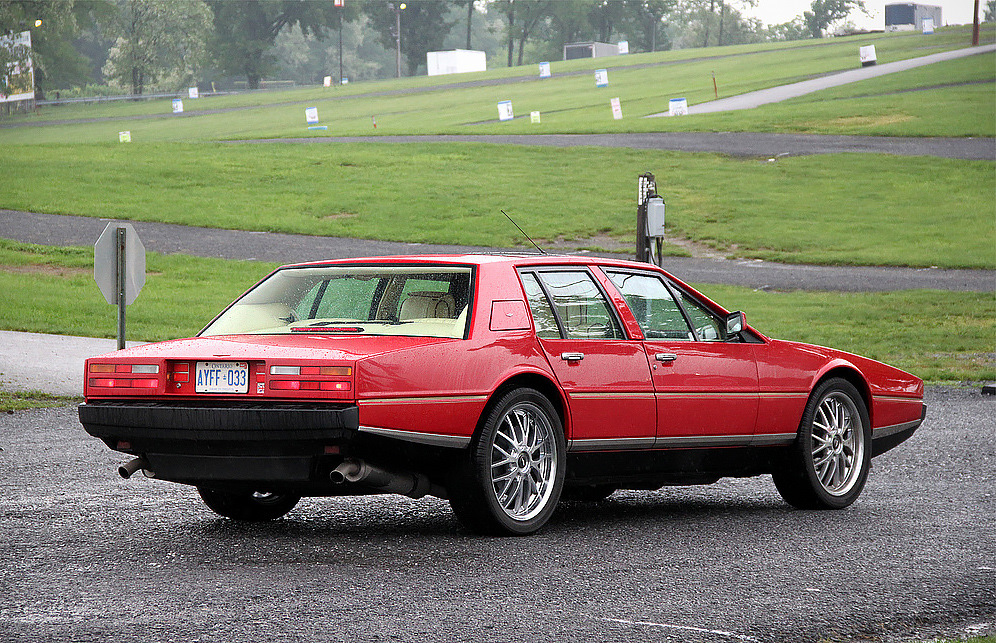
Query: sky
point(773, 12)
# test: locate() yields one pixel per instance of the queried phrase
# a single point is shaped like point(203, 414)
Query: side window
point(543, 317)
point(706, 325)
point(653, 306)
point(580, 305)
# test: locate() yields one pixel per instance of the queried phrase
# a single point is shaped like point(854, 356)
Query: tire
point(828, 464)
point(587, 493)
point(248, 505)
point(513, 475)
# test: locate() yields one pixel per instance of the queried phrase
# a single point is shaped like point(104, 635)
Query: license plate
point(222, 377)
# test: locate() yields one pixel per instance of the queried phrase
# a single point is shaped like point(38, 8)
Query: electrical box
point(655, 217)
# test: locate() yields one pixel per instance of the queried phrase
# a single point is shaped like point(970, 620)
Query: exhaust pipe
point(129, 468)
point(413, 485)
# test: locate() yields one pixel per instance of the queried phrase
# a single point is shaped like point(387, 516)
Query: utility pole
point(398, 8)
point(975, 26)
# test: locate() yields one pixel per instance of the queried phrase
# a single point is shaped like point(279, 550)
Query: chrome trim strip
point(706, 394)
point(896, 398)
point(432, 439)
point(688, 441)
point(648, 395)
point(446, 399)
point(886, 431)
point(772, 439)
point(601, 444)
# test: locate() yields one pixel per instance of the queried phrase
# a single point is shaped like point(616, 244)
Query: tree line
point(135, 45)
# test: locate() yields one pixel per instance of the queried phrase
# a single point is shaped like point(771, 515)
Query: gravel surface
point(59, 230)
point(90, 557)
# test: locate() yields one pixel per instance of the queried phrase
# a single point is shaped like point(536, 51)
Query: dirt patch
point(341, 215)
point(46, 269)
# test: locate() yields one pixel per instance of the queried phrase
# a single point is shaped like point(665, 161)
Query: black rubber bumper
point(250, 423)
point(201, 444)
point(891, 441)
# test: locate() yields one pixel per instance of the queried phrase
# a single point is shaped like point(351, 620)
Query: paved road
point(57, 230)
point(742, 144)
point(751, 100)
point(90, 557)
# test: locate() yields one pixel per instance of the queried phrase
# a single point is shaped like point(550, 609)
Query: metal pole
point(340, 45)
point(397, 37)
point(119, 283)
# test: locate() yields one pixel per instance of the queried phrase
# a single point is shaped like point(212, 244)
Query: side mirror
point(735, 323)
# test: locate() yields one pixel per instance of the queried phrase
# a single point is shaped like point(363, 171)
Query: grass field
point(939, 336)
point(570, 102)
point(840, 209)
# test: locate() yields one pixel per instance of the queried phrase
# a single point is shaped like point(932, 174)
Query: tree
point(246, 30)
point(424, 26)
point(53, 26)
point(826, 12)
point(522, 16)
point(990, 15)
point(156, 40)
point(644, 18)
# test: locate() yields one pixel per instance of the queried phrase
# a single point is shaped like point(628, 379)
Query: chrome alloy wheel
point(523, 461)
point(838, 443)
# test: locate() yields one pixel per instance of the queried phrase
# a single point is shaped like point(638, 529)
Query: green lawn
point(939, 336)
point(836, 209)
point(571, 103)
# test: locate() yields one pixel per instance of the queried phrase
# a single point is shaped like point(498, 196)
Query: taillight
point(330, 379)
point(123, 375)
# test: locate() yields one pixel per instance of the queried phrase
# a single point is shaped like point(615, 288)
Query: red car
point(501, 382)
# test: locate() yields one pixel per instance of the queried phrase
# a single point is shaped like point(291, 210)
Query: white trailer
point(457, 61)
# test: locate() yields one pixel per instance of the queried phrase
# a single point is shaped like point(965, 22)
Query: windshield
point(423, 301)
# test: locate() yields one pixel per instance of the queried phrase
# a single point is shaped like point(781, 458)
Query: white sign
point(867, 54)
point(623, 47)
point(505, 111)
point(928, 26)
point(105, 263)
point(192, 92)
point(327, 81)
point(677, 107)
point(124, 137)
point(534, 117)
point(544, 70)
point(601, 78)
point(20, 75)
point(177, 105)
point(345, 80)
point(616, 109)
point(311, 114)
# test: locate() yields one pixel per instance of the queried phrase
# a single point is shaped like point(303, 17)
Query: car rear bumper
point(274, 444)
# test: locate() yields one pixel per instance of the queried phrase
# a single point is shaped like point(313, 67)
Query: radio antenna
point(542, 251)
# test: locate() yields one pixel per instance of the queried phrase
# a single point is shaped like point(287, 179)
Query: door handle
point(572, 357)
point(665, 357)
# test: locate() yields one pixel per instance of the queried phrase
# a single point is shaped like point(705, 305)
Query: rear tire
point(512, 478)
point(248, 505)
point(827, 466)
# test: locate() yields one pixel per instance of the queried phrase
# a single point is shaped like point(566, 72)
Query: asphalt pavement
point(751, 100)
point(59, 230)
point(88, 556)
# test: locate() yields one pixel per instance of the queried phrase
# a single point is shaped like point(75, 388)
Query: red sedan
point(501, 382)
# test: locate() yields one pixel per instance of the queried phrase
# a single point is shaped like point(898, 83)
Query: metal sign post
point(119, 268)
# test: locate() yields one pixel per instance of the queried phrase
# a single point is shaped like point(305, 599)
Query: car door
point(604, 374)
point(706, 384)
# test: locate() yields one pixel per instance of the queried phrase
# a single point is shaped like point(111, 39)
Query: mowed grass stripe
point(848, 209)
point(940, 336)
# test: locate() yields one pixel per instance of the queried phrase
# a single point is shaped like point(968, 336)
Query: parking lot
point(88, 556)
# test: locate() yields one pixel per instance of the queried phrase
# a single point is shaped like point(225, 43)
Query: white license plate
point(222, 377)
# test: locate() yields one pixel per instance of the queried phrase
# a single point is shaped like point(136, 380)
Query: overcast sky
point(773, 12)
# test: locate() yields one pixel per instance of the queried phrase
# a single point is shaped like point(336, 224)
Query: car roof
point(513, 259)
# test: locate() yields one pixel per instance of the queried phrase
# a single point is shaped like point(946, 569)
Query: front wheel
point(251, 506)
point(828, 465)
point(512, 479)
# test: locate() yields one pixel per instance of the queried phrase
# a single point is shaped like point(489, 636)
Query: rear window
point(425, 301)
